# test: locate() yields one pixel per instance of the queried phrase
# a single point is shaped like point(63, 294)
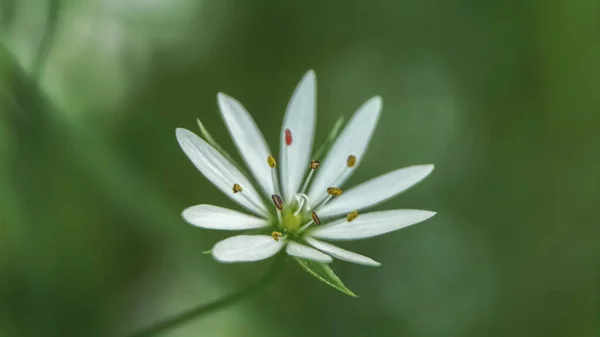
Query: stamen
point(352, 216)
point(277, 201)
point(303, 228)
point(276, 235)
point(314, 164)
point(286, 158)
point(288, 137)
point(315, 218)
point(351, 161)
point(334, 191)
point(236, 188)
point(273, 164)
point(279, 205)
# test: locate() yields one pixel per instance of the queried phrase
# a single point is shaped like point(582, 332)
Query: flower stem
point(221, 303)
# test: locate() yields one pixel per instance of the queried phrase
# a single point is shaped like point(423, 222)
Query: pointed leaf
point(325, 274)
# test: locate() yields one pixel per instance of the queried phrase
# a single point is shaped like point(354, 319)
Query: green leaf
point(324, 273)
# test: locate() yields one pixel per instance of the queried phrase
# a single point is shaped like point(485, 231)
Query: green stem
point(221, 303)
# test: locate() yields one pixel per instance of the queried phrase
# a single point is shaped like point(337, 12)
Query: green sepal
point(325, 274)
point(210, 140)
point(330, 138)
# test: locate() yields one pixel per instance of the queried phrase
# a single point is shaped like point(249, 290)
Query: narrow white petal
point(219, 171)
point(306, 252)
point(371, 224)
point(300, 120)
point(246, 248)
point(248, 139)
point(342, 254)
point(352, 141)
point(375, 190)
point(215, 217)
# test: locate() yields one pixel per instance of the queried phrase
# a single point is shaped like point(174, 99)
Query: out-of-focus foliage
point(503, 97)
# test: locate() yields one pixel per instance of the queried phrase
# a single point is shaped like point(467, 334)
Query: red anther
point(288, 137)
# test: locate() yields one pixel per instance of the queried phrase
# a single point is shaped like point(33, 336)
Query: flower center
point(301, 214)
point(292, 222)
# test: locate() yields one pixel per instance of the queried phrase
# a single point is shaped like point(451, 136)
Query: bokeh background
point(502, 96)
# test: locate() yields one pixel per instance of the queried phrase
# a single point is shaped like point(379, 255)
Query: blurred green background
point(502, 96)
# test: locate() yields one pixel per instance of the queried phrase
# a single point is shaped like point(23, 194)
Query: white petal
point(300, 120)
point(306, 252)
point(352, 141)
point(214, 217)
point(371, 224)
point(342, 254)
point(220, 171)
point(246, 248)
point(375, 190)
point(248, 139)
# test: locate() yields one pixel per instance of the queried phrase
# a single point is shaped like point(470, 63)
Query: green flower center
point(292, 222)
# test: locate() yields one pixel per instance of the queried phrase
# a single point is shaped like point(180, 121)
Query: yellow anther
point(271, 161)
point(352, 216)
point(236, 188)
point(276, 235)
point(277, 201)
point(315, 218)
point(351, 160)
point(334, 191)
point(314, 164)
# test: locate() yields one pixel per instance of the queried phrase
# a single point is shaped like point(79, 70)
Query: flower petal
point(353, 141)
point(215, 217)
point(342, 254)
point(246, 248)
point(306, 252)
point(248, 140)
point(300, 121)
point(220, 171)
point(370, 224)
point(375, 190)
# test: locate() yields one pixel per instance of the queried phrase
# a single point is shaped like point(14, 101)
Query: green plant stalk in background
point(218, 304)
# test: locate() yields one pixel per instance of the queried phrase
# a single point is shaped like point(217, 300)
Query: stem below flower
point(221, 303)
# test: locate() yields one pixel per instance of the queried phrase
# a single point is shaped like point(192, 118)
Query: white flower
point(289, 207)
